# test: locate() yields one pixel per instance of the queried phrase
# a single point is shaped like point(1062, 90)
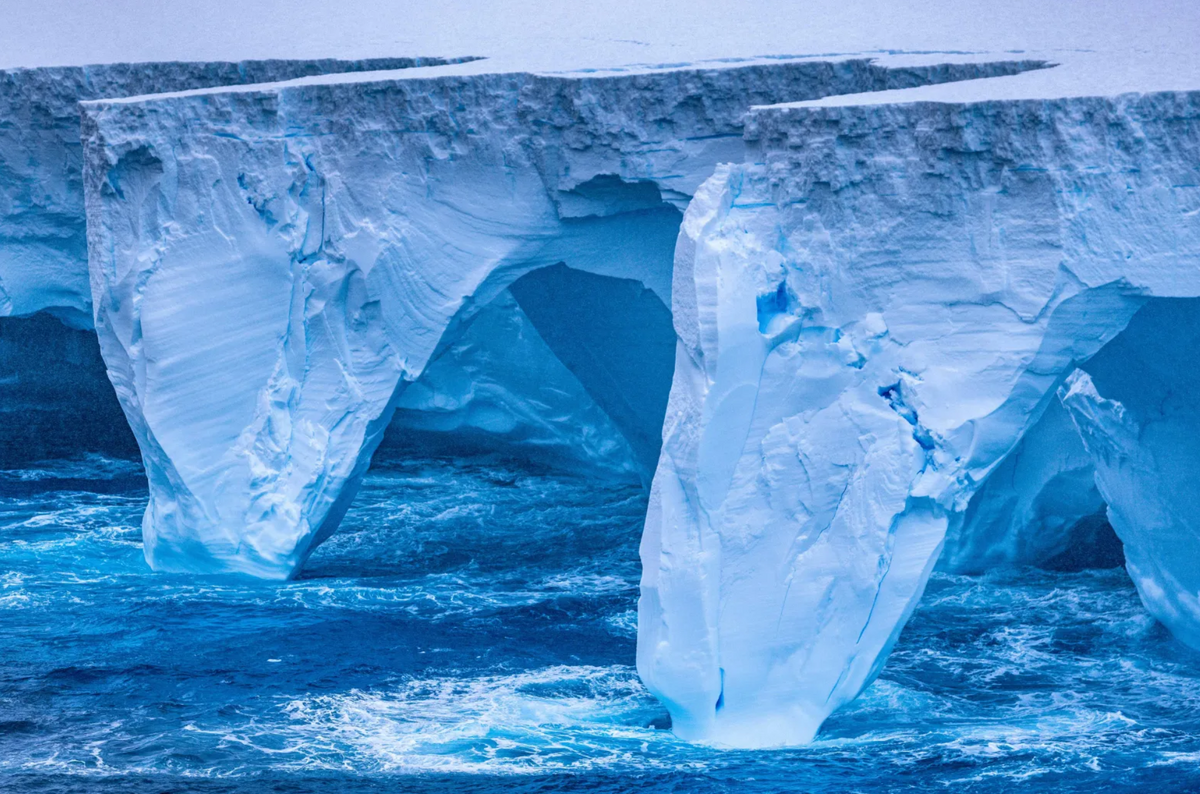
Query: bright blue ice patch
point(472, 628)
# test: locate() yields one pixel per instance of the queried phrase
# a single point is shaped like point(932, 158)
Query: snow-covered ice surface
point(887, 235)
point(559, 34)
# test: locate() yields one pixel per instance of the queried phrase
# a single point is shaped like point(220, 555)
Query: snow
point(534, 35)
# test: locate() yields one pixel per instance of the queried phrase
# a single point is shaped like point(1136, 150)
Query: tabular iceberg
point(848, 338)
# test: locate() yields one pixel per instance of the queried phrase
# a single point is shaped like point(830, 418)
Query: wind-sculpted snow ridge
point(43, 245)
point(873, 310)
point(272, 265)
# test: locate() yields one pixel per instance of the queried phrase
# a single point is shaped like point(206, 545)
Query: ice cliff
point(54, 396)
point(849, 318)
point(879, 305)
point(66, 402)
point(43, 246)
point(272, 266)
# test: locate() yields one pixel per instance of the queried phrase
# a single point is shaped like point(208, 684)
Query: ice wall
point(270, 266)
point(872, 312)
point(43, 245)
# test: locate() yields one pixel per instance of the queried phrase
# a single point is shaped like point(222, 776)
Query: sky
point(561, 35)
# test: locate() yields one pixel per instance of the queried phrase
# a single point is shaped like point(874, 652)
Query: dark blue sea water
point(472, 628)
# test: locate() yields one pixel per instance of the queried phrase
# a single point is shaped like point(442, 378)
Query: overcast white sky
point(549, 34)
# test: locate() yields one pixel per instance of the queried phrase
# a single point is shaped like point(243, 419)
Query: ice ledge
point(43, 247)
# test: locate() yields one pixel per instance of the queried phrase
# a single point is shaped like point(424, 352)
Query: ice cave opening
point(1134, 406)
point(564, 367)
point(55, 398)
point(1106, 477)
point(563, 359)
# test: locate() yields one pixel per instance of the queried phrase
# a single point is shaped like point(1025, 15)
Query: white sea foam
point(552, 719)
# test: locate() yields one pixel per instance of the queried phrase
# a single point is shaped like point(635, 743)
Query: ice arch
point(872, 312)
point(1135, 406)
point(271, 266)
point(324, 338)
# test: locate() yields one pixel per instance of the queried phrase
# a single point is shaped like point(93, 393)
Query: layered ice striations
point(43, 244)
point(272, 266)
point(54, 395)
point(872, 312)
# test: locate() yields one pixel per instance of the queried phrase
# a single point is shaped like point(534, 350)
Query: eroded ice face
point(875, 299)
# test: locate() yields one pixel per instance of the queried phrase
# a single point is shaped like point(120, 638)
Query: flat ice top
point(1117, 43)
point(1076, 74)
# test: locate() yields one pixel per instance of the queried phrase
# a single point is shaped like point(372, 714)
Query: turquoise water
point(472, 628)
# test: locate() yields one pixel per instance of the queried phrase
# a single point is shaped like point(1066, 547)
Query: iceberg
point(269, 274)
point(880, 304)
point(499, 387)
point(848, 317)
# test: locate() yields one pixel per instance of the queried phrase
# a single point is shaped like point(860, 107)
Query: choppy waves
point(473, 627)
